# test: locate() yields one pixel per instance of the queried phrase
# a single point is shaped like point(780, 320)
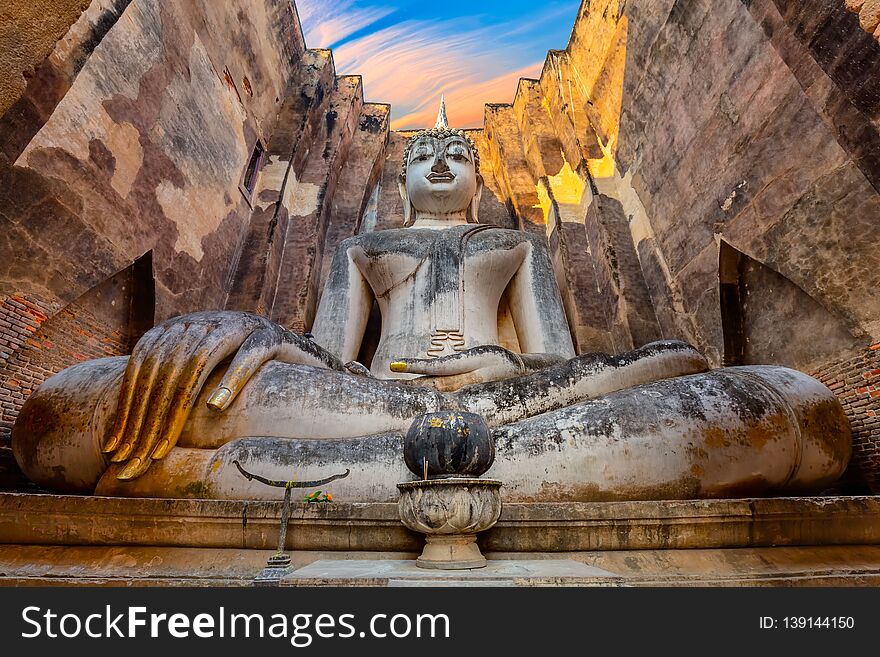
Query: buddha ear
point(408, 214)
point(474, 208)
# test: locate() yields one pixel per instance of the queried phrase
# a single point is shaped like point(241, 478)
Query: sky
point(409, 53)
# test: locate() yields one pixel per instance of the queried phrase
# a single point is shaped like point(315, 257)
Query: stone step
point(392, 572)
point(42, 565)
point(28, 519)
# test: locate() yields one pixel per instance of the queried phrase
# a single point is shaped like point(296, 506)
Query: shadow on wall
point(767, 319)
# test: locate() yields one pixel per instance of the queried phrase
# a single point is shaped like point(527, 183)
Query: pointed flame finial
point(442, 121)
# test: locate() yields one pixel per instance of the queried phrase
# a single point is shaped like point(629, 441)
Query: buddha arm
point(536, 307)
point(344, 307)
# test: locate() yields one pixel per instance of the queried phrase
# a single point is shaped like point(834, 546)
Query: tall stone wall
point(735, 131)
point(143, 147)
point(28, 33)
point(765, 136)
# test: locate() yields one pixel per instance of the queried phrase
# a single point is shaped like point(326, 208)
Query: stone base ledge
point(70, 540)
point(66, 520)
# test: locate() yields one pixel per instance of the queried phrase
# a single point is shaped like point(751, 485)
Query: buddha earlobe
point(408, 214)
point(474, 208)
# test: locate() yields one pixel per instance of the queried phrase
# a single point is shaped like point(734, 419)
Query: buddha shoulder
point(419, 241)
point(406, 241)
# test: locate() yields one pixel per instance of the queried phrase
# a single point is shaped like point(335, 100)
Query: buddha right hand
point(169, 366)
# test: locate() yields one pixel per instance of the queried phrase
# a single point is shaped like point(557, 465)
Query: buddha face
point(441, 177)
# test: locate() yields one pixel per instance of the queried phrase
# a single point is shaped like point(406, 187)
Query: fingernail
point(220, 399)
point(398, 366)
point(111, 444)
point(134, 468)
point(123, 452)
point(161, 449)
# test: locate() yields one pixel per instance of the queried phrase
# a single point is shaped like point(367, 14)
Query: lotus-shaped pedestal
point(450, 512)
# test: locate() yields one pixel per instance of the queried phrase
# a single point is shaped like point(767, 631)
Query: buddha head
point(440, 178)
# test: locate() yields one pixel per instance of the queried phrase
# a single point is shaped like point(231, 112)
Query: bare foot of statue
point(171, 419)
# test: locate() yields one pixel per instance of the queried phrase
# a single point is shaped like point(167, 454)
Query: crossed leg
point(302, 420)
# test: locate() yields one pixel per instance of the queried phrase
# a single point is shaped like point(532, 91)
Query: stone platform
point(501, 572)
point(51, 539)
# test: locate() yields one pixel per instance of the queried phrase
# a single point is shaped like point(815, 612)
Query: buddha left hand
point(475, 365)
point(170, 364)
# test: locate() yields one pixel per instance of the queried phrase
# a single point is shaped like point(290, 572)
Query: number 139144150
point(807, 623)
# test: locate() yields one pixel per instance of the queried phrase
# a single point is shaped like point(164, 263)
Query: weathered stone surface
point(540, 143)
point(502, 572)
point(834, 64)
point(772, 566)
point(300, 122)
point(296, 294)
point(164, 129)
point(507, 160)
point(761, 172)
point(40, 565)
point(42, 65)
point(494, 208)
point(564, 93)
point(575, 270)
point(358, 180)
point(823, 337)
point(389, 208)
point(621, 288)
point(789, 541)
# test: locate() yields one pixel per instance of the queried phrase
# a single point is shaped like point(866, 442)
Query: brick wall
point(856, 382)
point(21, 319)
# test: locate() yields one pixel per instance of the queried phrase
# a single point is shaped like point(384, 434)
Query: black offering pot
point(453, 443)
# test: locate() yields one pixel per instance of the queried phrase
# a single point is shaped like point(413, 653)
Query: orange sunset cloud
point(465, 103)
point(411, 62)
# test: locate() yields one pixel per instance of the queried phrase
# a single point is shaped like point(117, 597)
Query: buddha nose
point(440, 165)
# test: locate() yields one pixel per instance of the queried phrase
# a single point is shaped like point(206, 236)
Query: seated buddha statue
point(203, 391)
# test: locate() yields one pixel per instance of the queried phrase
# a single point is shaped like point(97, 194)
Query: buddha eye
point(457, 152)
